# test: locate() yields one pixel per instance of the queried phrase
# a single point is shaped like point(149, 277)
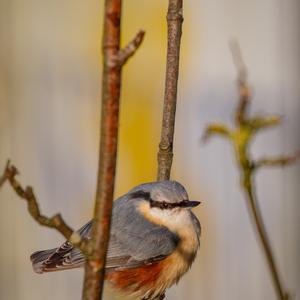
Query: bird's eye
point(153, 203)
point(165, 205)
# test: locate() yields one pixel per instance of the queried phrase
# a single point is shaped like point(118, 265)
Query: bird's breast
point(153, 279)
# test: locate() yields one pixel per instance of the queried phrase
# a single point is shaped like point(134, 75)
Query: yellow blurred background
point(50, 74)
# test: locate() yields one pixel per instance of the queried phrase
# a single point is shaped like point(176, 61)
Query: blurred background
point(50, 72)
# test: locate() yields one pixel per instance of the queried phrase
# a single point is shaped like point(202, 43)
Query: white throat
point(178, 220)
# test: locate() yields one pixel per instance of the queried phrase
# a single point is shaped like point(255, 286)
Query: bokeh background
point(50, 72)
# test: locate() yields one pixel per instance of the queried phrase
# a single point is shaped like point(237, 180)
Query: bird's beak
point(192, 203)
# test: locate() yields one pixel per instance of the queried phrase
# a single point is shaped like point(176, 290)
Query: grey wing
point(134, 241)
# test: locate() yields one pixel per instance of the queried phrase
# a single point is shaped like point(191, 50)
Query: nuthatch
point(154, 239)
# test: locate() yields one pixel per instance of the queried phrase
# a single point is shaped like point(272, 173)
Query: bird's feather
point(134, 242)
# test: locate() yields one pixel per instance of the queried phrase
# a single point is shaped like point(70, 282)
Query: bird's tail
point(39, 258)
point(57, 259)
point(61, 258)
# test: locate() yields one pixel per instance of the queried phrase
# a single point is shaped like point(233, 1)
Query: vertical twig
point(111, 84)
point(255, 211)
point(165, 153)
point(113, 60)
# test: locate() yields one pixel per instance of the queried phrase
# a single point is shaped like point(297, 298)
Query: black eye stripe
point(167, 205)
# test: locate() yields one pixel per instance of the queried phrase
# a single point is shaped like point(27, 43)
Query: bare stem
point(56, 221)
point(111, 85)
point(255, 212)
point(113, 60)
point(244, 90)
point(165, 153)
point(241, 136)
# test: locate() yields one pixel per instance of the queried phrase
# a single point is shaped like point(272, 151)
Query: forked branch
point(241, 136)
point(113, 61)
point(129, 50)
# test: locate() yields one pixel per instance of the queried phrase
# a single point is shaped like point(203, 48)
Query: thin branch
point(241, 136)
point(255, 211)
point(165, 153)
point(5, 174)
point(244, 90)
point(129, 50)
point(56, 221)
point(111, 86)
point(279, 161)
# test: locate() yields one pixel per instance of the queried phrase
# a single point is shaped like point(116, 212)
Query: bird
point(154, 239)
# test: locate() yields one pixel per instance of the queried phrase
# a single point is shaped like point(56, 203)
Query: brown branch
point(241, 136)
point(5, 174)
point(56, 221)
point(129, 50)
point(165, 153)
point(111, 86)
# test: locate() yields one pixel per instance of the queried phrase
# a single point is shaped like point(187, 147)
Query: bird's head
point(166, 202)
